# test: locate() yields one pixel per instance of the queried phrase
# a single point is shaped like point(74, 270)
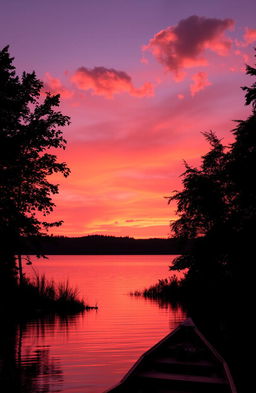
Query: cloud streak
point(54, 86)
point(184, 45)
point(250, 35)
point(108, 82)
point(200, 82)
point(136, 169)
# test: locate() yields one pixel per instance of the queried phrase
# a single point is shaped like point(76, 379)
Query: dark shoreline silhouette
point(218, 313)
point(101, 245)
point(39, 297)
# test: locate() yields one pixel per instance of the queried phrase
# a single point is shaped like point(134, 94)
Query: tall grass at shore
point(38, 295)
point(167, 288)
point(48, 294)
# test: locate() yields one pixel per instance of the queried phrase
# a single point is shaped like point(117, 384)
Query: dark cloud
point(183, 46)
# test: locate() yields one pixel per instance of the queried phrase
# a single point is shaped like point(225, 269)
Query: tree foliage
point(30, 127)
point(217, 206)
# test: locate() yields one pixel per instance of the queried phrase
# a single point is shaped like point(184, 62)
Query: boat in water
point(182, 362)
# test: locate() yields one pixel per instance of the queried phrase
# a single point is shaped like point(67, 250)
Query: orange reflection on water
point(96, 348)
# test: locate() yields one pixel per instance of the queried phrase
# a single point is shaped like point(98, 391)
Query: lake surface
point(89, 352)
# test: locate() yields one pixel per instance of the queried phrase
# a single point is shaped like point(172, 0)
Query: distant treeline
point(100, 245)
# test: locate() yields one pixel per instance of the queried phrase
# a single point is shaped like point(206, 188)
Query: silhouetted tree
point(241, 167)
point(29, 130)
point(217, 206)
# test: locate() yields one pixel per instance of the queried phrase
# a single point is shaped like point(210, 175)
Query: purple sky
point(140, 79)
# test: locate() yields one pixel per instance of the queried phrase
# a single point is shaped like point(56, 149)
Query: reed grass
point(42, 294)
point(167, 288)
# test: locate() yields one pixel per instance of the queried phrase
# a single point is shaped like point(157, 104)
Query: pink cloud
point(200, 82)
point(54, 86)
point(242, 54)
point(183, 46)
point(137, 168)
point(108, 81)
point(250, 35)
point(144, 60)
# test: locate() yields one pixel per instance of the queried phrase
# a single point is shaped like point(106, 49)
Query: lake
point(89, 352)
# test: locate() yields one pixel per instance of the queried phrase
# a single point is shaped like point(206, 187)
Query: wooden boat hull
point(183, 362)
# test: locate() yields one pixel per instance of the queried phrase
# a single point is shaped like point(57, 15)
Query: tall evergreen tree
point(30, 127)
point(217, 206)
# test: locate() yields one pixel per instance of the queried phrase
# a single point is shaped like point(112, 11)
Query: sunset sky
point(141, 79)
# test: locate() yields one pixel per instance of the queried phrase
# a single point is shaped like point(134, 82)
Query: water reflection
point(175, 310)
point(90, 353)
point(25, 366)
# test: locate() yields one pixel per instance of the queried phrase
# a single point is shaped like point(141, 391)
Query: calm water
point(89, 353)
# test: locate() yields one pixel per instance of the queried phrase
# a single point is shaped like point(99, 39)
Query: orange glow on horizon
point(126, 153)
